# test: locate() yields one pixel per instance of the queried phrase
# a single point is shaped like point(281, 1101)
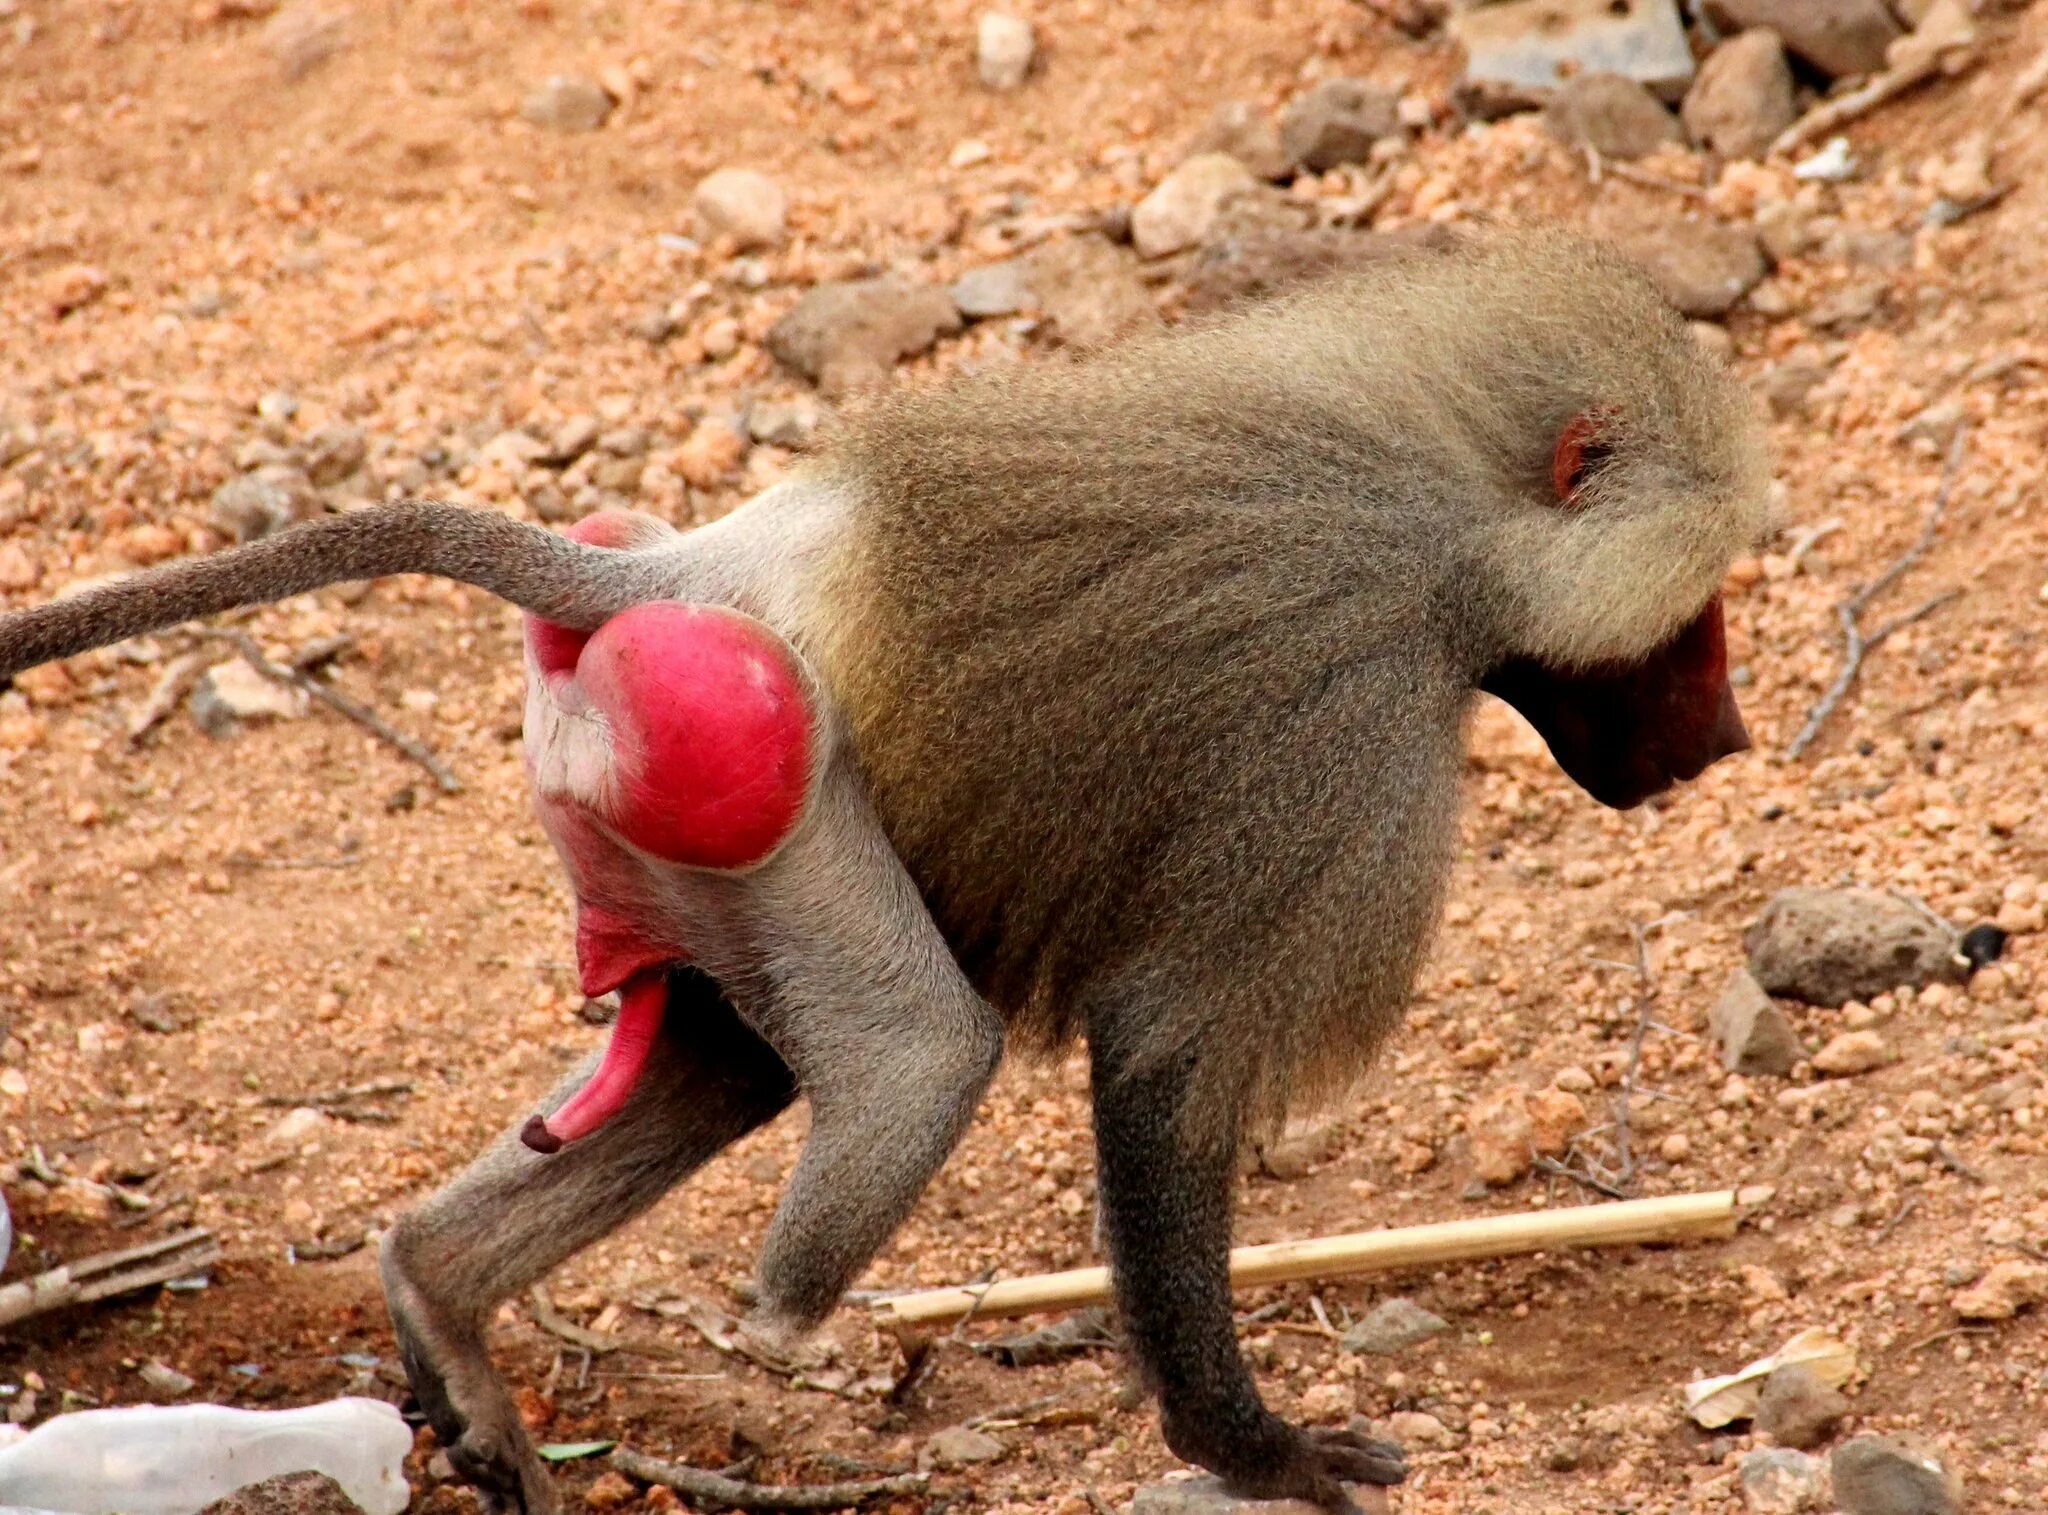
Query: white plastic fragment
point(177, 1459)
point(1833, 164)
point(1716, 1402)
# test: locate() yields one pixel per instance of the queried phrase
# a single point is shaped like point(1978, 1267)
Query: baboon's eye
point(1580, 453)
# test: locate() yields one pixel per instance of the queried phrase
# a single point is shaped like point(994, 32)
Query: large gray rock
point(1828, 946)
point(1616, 117)
point(1837, 37)
point(1530, 47)
point(849, 335)
point(1743, 96)
point(1885, 1475)
point(1337, 122)
point(1756, 1037)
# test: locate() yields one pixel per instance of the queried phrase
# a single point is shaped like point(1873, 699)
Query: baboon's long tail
point(536, 570)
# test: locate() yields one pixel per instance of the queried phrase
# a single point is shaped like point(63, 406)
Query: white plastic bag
point(177, 1459)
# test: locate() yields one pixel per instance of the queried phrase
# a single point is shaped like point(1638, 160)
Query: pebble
point(1838, 37)
point(17, 569)
point(1852, 1052)
point(1742, 98)
point(1242, 129)
point(1005, 47)
point(1782, 1481)
point(711, 454)
point(164, 1381)
point(234, 691)
point(1756, 1036)
point(2005, 1289)
point(256, 504)
point(570, 441)
point(1418, 1428)
point(1614, 116)
point(612, 1490)
point(1184, 210)
point(567, 103)
point(1338, 122)
point(1937, 423)
point(1391, 1326)
point(303, 36)
point(1799, 1408)
point(301, 1124)
point(959, 1447)
point(846, 336)
point(1884, 1475)
point(1829, 946)
point(334, 452)
point(994, 289)
point(749, 207)
point(784, 423)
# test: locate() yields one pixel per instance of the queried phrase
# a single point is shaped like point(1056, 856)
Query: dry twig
point(109, 1273)
point(1862, 100)
point(326, 1098)
point(596, 1343)
point(1598, 166)
point(1858, 644)
point(704, 1487)
point(341, 704)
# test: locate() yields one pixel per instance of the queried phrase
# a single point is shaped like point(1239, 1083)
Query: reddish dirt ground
point(184, 230)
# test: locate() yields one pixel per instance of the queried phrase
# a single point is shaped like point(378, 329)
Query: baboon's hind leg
point(513, 1214)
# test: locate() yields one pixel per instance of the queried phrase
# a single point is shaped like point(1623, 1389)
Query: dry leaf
point(1716, 1402)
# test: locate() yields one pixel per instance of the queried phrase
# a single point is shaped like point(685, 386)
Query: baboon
point(1119, 700)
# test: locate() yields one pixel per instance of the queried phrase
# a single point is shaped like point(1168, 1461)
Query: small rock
point(1702, 267)
point(1799, 1408)
point(1501, 1135)
point(710, 454)
point(571, 440)
point(1782, 1481)
point(1742, 99)
point(1183, 211)
point(1260, 263)
point(1756, 1037)
point(611, 1491)
point(2006, 1289)
point(784, 423)
point(1004, 49)
point(163, 1381)
point(334, 452)
point(1241, 129)
point(1715, 339)
point(1337, 122)
point(1205, 1495)
point(1555, 1117)
point(301, 37)
point(290, 1494)
point(1393, 1325)
point(1936, 423)
point(994, 289)
point(1852, 1052)
point(300, 1124)
point(1885, 1475)
point(1829, 946)
point(849, 335)
point(1527, 47)
point(256, 504)
point(749, 207)
point(74, 287)
point(1614, 116)
point(567, 103)
point(959, 1447)
point(1838, 37)
point(1416, 1428)
point(1089, 291)
point(234, 691)
point(17, 569)
point(1324, 1403)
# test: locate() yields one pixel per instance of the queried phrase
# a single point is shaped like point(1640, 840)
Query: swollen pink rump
point(710, 738)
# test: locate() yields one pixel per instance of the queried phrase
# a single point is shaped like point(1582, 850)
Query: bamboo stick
point(1675, 1217)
